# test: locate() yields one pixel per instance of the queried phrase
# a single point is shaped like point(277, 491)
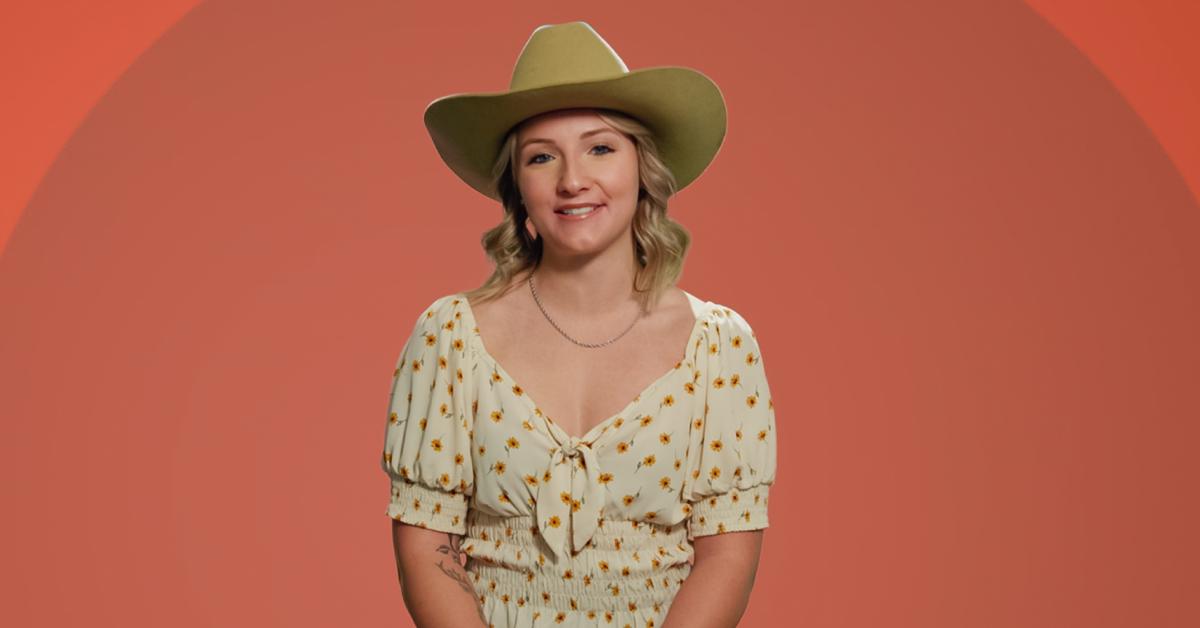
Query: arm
point(717, 590)
point(436, 587)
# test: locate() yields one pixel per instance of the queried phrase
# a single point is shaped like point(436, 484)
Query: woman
point(595, 442)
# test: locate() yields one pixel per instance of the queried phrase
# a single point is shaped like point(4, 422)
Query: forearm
point(714, 595)
point(437, 588)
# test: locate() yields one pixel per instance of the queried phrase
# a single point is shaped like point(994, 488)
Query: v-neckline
point(699, 310)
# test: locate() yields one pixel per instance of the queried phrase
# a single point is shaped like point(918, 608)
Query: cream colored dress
point(589, 531)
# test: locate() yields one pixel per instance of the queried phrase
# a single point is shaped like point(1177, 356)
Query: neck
point(584, 287)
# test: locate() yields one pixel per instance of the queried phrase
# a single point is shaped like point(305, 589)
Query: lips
point(562, 211)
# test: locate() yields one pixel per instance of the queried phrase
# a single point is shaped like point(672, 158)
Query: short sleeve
point(427, 449)
point(732, 449)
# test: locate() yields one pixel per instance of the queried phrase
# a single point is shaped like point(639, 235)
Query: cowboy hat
point(569, 65)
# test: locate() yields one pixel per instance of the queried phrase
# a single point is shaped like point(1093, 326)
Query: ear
point(531, 229)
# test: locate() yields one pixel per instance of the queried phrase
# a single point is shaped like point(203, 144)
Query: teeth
point(576, 211)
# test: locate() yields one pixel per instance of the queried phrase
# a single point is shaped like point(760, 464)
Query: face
point(572, 157)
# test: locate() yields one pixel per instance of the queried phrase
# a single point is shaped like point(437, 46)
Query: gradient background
point(965, 233)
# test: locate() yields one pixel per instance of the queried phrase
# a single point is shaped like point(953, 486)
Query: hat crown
point(565, 53)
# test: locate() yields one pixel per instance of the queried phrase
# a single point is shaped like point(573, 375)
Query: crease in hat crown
point(558, 54)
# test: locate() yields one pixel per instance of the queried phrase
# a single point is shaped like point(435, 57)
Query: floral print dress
point(594, 530)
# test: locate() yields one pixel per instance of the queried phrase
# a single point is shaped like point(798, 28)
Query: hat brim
point(682, 107)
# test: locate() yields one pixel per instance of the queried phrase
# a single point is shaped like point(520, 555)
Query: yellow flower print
point(497, 416)
point(689, 387)
point(665, 483)
point(444, 480)
point(698, 423)
point(715, 472)
point(513, 443)
point(560, 617)
point(619, 422)
point(458, 459)
point(605, 478)
point(752, 400)
point(647, 419)
point(762, 435)
point(444, 409)
point(457, 344)
point(496, 377)
point(436, 444)
point(622, 447)
point(750, 359)
point(416, 366)
point(627, 500)
point(736, 342)
point(482, 449)
point(422, 423)
point(738, 434)
point(442, 363)
point(735, 379)
point(719, 382)
point(664, 438)
point(448, 326)
point(393, 418)
point(678, 463)
point(517, 390)
point(669, 400)
point(565, 497)
point(499, 466)
point(648, 461)
point(527, 425)
point(554, 521)
point(430, 339)
point(713, 349)
point(716, 445)
point(531, 480)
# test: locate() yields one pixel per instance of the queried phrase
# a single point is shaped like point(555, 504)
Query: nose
point(572, 177)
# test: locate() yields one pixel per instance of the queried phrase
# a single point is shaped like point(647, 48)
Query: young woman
point(597, 443)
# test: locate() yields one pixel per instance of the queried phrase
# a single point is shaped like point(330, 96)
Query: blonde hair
point(661, 243)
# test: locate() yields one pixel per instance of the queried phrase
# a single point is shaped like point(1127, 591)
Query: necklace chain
point(567, 336)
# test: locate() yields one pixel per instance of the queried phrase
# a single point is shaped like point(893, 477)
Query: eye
point(606, 147)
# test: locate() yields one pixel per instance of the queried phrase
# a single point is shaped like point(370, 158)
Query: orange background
point(965, 233)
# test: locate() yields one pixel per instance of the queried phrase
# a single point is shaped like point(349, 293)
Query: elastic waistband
point(626, 565)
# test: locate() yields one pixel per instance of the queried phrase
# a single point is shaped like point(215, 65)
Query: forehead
point(567, 123)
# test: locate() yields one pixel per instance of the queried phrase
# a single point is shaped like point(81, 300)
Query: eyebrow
point(590, 133)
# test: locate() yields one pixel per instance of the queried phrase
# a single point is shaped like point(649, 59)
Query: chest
point(579, 387)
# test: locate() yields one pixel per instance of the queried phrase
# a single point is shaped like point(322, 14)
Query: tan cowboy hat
point(565, 66)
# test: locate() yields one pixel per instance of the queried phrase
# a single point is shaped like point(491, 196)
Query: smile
point(578, 213)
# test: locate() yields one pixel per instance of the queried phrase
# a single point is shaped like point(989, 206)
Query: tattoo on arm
point(455, 570)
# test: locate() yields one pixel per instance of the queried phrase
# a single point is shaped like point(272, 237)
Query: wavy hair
point(661, 243)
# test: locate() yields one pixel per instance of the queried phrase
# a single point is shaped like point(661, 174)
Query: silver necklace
point(565, 335)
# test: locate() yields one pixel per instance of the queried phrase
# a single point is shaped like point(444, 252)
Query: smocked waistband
point(625, 564)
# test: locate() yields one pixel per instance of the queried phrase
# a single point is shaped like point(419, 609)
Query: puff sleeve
point(732, 445)
point(427, 448)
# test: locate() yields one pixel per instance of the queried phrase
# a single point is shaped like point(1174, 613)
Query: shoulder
point(726, 322)
point(444, 309)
